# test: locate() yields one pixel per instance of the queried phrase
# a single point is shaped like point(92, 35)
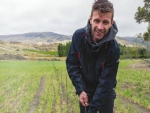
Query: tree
point(143, 15)
point(63, 49)
point(142, 52)
point(146, 37)
point(138, 36)
point(67, 47)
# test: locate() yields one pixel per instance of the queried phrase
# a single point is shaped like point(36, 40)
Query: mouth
point(99, 33)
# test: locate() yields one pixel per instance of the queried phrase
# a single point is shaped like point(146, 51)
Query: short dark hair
point(103, 6)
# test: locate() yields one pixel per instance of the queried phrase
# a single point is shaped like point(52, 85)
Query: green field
point(44, 87)
point(47, 53)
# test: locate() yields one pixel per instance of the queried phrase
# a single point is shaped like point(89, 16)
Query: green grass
point(41, 52)
point(134, 83)
point(126, 63)
point(19, 82)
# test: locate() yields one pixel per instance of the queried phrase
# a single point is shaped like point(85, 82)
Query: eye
point(106, 22)
point(96, 21)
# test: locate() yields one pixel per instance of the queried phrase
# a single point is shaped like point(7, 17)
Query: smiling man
point(101, 22)
point(93, 59)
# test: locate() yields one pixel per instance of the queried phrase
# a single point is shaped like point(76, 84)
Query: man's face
point(100, 24)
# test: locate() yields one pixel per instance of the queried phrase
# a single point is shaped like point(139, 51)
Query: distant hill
point(47, 38)
point(20, 51)
point(36, 38)
point(130, 41)
point(33, 45)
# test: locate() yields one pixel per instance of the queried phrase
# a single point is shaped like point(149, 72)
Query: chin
point(98, 38)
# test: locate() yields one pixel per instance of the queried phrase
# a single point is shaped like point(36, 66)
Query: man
point(93, 59)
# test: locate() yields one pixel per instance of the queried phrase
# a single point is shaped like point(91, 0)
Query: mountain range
point(33, 45)
point(36, 38)
point(47, 38)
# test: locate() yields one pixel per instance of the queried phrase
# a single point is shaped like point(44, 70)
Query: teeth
point(99, 32)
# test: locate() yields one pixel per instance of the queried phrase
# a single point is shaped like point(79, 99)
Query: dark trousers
point(106, 108)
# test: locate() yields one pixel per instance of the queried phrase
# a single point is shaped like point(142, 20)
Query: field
point(44, 87)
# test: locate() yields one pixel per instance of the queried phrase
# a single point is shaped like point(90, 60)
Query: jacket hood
point(108, 37)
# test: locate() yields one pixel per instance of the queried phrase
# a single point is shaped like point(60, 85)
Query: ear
point(112, 22)
point(90, 18)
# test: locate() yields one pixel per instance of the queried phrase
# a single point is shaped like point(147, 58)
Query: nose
point(100, 26)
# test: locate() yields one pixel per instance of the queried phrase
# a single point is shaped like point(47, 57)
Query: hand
point(83, 98)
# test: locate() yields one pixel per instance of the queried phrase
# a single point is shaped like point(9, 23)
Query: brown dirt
point(128, 85)
point(35, 102)
point(54, 102)
point(45, 103)
point(141, 64)
point(43, 47)
point(65, 98)
point(11, 57)
point(136, 106)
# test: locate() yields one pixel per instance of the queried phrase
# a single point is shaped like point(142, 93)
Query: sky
point(63, 16)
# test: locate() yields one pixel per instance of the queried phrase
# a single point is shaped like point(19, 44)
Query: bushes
point(132, 52)
point(125, 52)
point(63, 49)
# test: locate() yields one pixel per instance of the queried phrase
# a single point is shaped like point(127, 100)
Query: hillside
point(33, 45)
point(130, 41)
point(47, 38)
point(20, 51)
point(36, 38)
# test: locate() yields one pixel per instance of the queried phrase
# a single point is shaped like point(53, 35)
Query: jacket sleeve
point(73, 66)
point(107, 82)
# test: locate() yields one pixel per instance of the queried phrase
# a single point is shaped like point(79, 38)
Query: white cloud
point(62, 16)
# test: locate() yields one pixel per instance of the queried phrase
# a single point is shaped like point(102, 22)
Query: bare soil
point(137, 107)
point(141, 64)
point(66, 99)
point(11, 57)
point(35, 102)
point(54, 102)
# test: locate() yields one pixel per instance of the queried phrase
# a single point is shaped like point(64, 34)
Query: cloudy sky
point(63, 16)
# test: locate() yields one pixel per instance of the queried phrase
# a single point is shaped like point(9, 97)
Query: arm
point(107, 81)
point(73, 67)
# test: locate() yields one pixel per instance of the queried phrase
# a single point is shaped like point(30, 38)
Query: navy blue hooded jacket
point(92, 67)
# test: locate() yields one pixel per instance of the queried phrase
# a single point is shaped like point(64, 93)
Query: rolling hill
point(130, 41)
point(36, 38)
point(51, 37)
point(31, 45)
